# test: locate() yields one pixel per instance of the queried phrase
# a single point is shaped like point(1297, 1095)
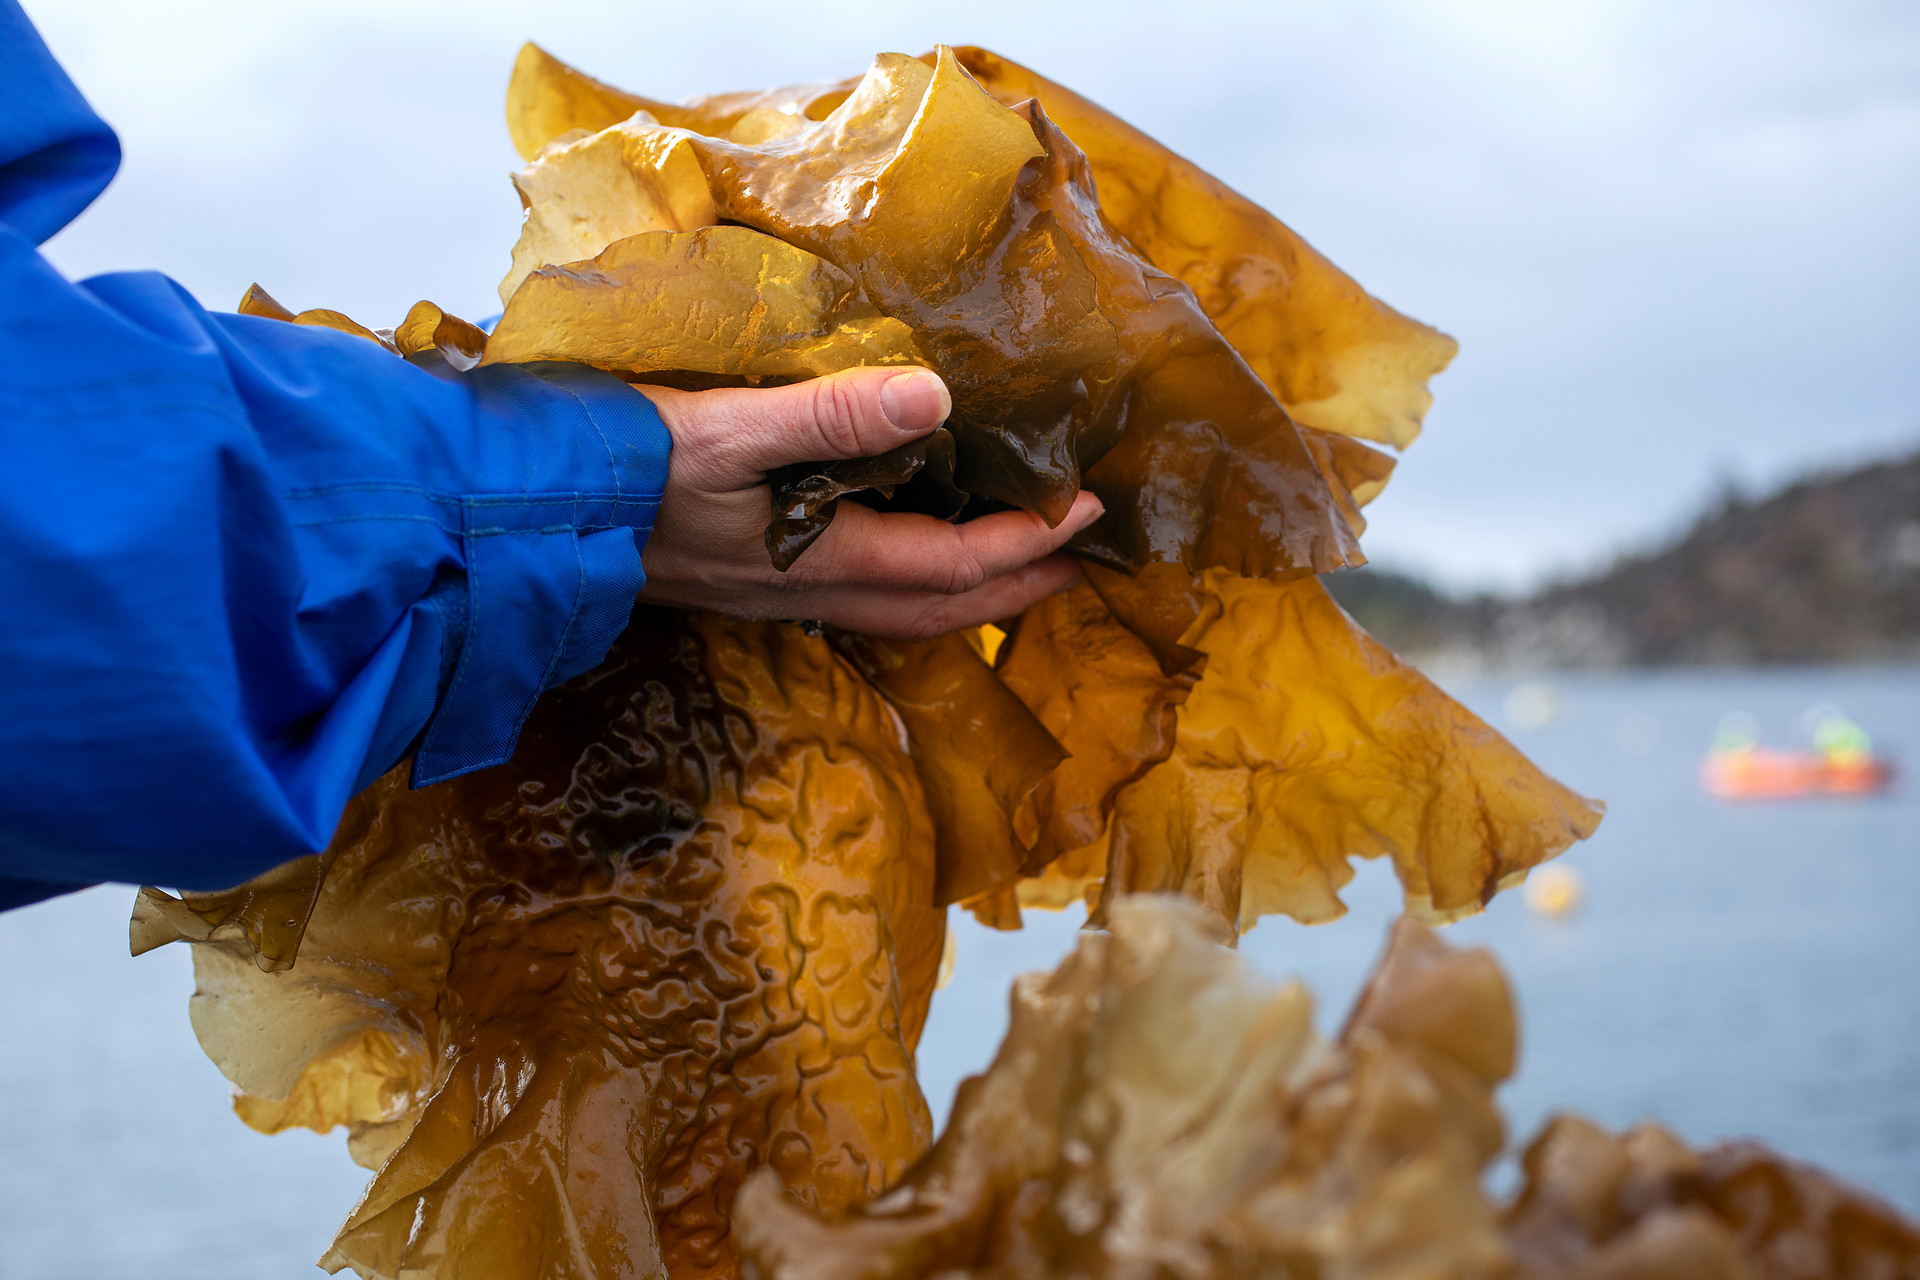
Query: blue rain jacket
point(248, 566)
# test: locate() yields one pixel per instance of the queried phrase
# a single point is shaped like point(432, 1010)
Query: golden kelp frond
point(1337, 358)
point(321, 317)
point(268, 914)
point(570, 1002)
point(1307, 743)
point(258, 302)
point(1355, 474)
point(1158, 1109)
point(1643, 1206)
point(429, 329)
point(1099, 691)
point(726, 301)
point(547, 98)
point(977, 748)
point(1071, 360)
point(581, 195)
point(362, 1081)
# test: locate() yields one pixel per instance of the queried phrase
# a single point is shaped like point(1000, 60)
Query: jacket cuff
point(551, 577)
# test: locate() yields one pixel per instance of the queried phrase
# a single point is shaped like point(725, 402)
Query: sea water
point(1734, 970)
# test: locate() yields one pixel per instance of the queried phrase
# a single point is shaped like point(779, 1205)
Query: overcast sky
point(1677, 241)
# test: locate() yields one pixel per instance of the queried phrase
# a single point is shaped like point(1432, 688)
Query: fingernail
point(915, 399)
point(1090, 513)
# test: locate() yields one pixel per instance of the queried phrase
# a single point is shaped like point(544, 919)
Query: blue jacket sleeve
point(247, 566)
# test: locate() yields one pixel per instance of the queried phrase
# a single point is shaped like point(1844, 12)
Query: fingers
point(921, 616)
point(729, 438)
point(863, 547)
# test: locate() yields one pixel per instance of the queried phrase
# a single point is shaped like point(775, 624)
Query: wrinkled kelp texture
point(1643, 1206)
point(566, 1005)
point(1157, 1109)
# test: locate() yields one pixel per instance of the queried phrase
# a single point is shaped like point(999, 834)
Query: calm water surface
point(1736, 970)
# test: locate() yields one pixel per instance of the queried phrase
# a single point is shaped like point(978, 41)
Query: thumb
point(737, 434)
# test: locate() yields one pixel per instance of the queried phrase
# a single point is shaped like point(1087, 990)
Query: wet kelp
point(565, 1007)
point(975, 228)
point(568, 1005)
point(1157, 1109)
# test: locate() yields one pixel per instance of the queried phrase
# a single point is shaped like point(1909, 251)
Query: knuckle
point(961, 573)
point(834, 404)
point(720, 437)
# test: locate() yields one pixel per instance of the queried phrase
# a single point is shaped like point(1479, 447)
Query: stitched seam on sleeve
point(489, 531)
point(463, 665)
point(566, 632)
point(612, 469)
point(456, 499)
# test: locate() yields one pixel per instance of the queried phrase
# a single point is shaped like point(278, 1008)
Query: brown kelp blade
point(978, 749)
point(567, 1004)
point(546, 98)
point(1156, 1099)
point(1100, 692)
point(1276, 783)
point(583, 193)
point(916, 476)
point(727, 301)
point(1337, 358)
point(1070, 359)
point(1301, 743)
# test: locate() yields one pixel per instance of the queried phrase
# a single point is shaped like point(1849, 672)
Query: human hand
point(893, 574)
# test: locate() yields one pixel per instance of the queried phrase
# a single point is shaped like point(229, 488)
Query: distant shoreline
point(1825, 571)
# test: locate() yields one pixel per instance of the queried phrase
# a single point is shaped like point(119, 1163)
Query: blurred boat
point(1841, 761)
point(1757, 773)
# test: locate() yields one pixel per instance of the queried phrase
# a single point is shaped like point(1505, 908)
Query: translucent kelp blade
point(429, 329)
point(1337, 358)
point(907, 186)
point(1157, 1108)
point(1305, 744)
point(547, 98)
point(570, 1002)
point(268, 914)
point(1643, 1204)
point(322, 318)
point(1099, 691)
point(1196, 462)
point(977, 227)
point(258, 302)
point(1063, 349)
point(1156, 1102)
point(362, 1081)
point(727, 301)
point(1354, 473)
point(978, 750)
point(583, 194)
